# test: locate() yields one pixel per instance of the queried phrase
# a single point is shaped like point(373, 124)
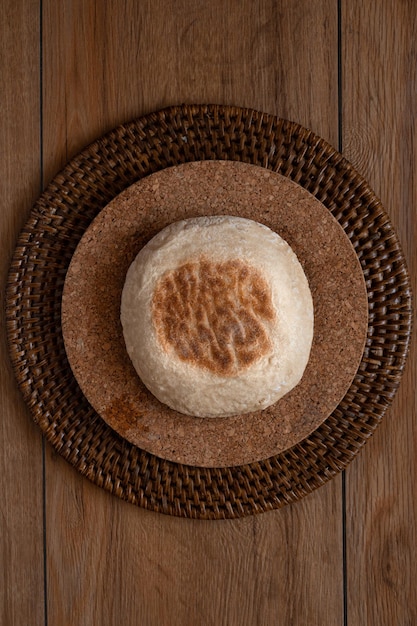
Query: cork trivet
point(91, 311)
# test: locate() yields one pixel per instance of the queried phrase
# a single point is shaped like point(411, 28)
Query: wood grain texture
point(108, 62)
point(379, 113)
point(108, 562)
point(116, 563)
point(21, 523)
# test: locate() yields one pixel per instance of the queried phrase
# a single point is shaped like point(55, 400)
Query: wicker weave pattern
point(37, 274)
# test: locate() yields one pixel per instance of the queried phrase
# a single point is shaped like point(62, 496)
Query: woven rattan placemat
point(45, 247)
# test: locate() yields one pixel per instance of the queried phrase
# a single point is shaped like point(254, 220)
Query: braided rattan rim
point(44, 250)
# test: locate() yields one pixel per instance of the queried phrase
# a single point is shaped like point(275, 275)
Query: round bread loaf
point(217, 316)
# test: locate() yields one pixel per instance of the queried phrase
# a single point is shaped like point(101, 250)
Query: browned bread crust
point(214, 314)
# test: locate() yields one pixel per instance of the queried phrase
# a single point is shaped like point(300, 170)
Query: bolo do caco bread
point(217, 316)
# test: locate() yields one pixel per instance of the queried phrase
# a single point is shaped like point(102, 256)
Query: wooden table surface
point(70, 553)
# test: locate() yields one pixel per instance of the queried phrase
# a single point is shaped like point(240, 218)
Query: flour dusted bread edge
point(244, 341)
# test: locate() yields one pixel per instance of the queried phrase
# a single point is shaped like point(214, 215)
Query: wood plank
point(105, 63)
point(21, 525)
point(108, 561)
point(379, 113)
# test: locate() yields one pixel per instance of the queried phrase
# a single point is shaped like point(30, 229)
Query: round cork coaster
point(91, 311)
